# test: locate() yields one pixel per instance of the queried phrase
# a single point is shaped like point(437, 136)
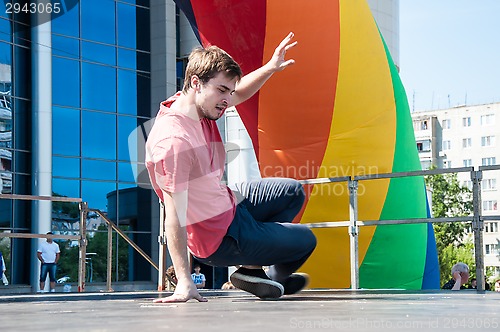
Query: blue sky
point(450, 52)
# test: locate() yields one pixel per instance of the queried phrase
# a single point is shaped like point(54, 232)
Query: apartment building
point(466, 136)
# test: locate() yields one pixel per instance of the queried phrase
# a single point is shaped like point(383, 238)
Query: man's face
point(213, 97)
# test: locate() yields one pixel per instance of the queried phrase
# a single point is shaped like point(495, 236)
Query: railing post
point(109, 258)
point(162, 257)
point(353, 232)
point(82, 246)
point(478, 227)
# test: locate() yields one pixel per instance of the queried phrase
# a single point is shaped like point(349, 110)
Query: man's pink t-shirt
point(187, 154)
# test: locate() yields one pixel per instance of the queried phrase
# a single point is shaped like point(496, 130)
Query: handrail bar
point(335, 224)
point(126, 238)
point(413, 173)
point(41, 198)
point(39, 236)
point(489, 168)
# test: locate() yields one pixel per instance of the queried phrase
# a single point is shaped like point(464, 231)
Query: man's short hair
point(206, 63)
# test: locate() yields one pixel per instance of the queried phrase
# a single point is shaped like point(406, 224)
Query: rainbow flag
point(341, 110)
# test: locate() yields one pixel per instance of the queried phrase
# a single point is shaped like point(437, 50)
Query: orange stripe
point(296, 105)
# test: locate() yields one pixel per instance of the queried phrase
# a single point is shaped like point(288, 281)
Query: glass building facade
point(101, 92)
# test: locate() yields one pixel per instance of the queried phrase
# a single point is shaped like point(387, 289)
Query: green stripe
point(396, 256)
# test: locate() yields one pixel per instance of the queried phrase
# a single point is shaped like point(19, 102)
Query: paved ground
point(339, 310)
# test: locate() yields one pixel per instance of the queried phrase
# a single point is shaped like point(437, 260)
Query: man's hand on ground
point(183, 292)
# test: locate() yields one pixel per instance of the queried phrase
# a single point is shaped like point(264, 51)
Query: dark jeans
point(49, 268)
point(261, 232)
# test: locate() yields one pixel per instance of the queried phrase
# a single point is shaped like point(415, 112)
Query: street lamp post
point(89, 260)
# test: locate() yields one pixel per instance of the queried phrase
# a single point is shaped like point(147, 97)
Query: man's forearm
point(251, 83)
point(176, 233)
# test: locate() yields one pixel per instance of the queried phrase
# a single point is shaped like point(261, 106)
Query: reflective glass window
point(127, 92)
point(68, 23)
point(6, 172)
point(127, 137)
point(98, 53)
point(98, 135)
point(5, 57)
point(142, 26)
point(126, 172)
point(5, 212)
point(98, 170)
point(95, 194)
point(98, 87)
point(66, 131)
point(144, 61)
point(66, 167)
point(22, 29)
point(21, 110)
point(66, 47)
point(3, 10)
point(5, 30)
point(21, 160)
point(143, 95)
point(127, 58)
point(126, 25)
point(67, 188)
point(65, 82)
point(98, 21)
point(22, 73)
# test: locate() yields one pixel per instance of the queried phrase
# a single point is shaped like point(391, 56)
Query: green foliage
point(71, 209)
point(450, 199)
point(453, 254)
point(68, 263)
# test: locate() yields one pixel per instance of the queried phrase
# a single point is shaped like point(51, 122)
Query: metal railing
point(353, 223)
point(81, 238)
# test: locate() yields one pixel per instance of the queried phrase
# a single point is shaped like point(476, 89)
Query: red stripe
point(238, 27)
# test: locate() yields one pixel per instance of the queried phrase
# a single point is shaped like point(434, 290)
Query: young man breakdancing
point(185, 161)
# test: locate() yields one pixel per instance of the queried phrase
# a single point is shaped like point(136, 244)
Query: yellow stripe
point(362, 141)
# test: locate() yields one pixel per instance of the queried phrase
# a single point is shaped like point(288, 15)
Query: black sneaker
point(295, 283)
point(256, 282)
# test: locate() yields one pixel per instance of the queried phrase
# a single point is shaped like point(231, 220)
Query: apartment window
point(426, 164)
point(490, 205)
point(466, 122)
point(467, 184)
point(446, 124)
point(420, 125)
point(488, 141)
point(489, 161)
point(491, 249)
point(447, 164)
point(491, 227)
point(466, 143)
point(488, 119)
point(424, 146)
point(489, 184)
point(446, 145)
point(467, 162)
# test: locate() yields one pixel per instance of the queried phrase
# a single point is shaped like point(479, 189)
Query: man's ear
point(195, 82)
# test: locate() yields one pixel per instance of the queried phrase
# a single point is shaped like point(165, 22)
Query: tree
point(68, 263)
point(450, 199)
